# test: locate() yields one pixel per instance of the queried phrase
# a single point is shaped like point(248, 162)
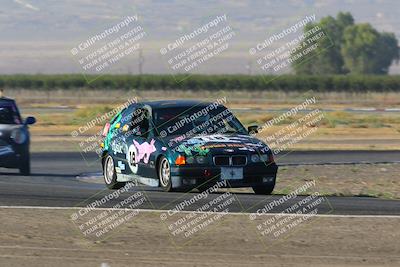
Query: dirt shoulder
point(31, 237)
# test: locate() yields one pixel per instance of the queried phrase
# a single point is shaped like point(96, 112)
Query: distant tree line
point(288, 83)
point(348, 48)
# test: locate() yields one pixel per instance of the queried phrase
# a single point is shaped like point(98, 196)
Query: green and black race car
point(181, 145)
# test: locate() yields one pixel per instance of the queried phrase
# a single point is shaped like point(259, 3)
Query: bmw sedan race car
point(182, 145)
point(14, 137)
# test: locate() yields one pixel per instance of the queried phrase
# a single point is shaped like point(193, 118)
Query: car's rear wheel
point(164, 174)
point(25, 165)
point(110, 176)
point(264, 189)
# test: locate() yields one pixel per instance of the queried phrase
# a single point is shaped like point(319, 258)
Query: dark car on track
point(14, 137)
point(182, 145)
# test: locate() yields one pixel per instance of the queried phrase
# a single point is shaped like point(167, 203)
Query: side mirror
point(30, 120)
point(253, 129)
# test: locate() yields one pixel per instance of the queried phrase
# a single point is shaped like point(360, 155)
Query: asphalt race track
point(53, 183)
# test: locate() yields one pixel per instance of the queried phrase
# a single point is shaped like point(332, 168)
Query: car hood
point(6, 129)
point(216, 144)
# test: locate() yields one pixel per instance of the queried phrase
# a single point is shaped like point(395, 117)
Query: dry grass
point(373, 180)
point(337, 130)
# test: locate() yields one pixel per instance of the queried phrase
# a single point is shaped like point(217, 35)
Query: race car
point(14, 137)
point(182, 145)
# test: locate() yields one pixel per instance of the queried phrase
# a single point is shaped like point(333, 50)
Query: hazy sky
point(37, 35)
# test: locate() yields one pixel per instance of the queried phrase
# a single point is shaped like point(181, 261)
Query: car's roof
point(7, 101)
point(174, 103)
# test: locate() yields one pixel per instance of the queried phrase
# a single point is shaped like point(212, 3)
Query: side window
point(126, 115)
point(117, 117)
point(9, 114)
point(140, 122)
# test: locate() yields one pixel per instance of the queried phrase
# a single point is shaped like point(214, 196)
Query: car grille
point(222, 160)
point(3, 143)
point(235, 160)
point(239, 160)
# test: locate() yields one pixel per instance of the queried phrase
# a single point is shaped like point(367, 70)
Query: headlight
point(255, 158)
point(190, 160)
point(18, 136)
point(259, 158)
point(200, 159)
point(264, 157)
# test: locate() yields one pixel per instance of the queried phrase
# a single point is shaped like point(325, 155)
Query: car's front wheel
point(110, 176)
point(264, 189)
point(164, 174)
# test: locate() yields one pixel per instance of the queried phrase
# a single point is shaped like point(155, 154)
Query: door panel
point(138, 147)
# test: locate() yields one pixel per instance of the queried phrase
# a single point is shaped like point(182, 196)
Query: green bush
point(350, 83)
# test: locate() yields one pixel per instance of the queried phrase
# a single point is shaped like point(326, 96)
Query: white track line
point(202, 212)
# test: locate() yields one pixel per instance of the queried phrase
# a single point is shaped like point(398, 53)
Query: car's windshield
point(9, 114)
point(196, 120)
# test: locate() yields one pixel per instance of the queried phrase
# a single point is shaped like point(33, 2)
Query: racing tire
point(264, 189)
point(164, 174)
point(25, 166)
point(110, 175)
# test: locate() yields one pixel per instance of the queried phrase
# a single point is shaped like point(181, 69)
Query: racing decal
point(111, 131)
point(195, 141)
point(221, 139)
point(254, 144)
point(117, 147)
point(131, 158)
point(247, 148)
point(121, 165)
point(138, 152)
point(223, 145)
point(144, 150)
point(199, 149)
point(125, 128)
point(202, 144)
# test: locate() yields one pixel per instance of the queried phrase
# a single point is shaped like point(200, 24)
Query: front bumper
point(255, 174)
point(9, 158)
